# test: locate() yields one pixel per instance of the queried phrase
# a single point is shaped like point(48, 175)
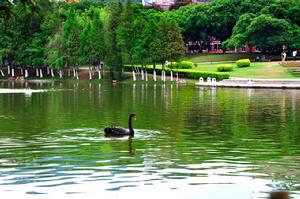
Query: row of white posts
point(145, 76)
point(39, 72)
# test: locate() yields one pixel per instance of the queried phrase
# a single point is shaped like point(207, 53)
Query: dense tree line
point(55, 34)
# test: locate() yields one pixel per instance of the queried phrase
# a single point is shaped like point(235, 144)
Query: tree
point(113, 52)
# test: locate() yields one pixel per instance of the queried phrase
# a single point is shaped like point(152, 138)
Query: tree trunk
point(146, 76)
point(77, 77)
point(99, 74)
point(12, 72)
point(36, 72)
point(41, 73)
point(69, 73)
point(2, 73)
point(142, 73)
point(8, 69)
point(74, 72)
point(26, 73)
point(52, 72)
point(22, 71)
point(176, 76)
point(133, 75)
point(90, 74)
point(60, 74)
point(154, 75)
point(48, 71)
point(171, 76)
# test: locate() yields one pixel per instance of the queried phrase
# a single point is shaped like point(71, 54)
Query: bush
point(188, 73)
point(243, 63)
point(184, 65)
point(224, 67)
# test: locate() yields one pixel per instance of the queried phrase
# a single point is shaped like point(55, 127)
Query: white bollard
point(214, 80)
point(201, 80)
point(208, 79)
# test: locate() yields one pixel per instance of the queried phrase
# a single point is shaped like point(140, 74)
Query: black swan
point(114, 131)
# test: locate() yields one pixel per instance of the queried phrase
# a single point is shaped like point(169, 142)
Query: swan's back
point(116, 131)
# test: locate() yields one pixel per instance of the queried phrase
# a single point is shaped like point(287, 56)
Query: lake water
point(190, 142)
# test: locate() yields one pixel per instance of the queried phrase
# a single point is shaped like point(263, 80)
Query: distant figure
point(294, 54)
point(283, 56)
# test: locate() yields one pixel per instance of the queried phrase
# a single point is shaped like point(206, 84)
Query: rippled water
point(189, 142)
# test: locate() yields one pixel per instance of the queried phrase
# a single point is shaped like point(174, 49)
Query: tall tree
point(113, 52)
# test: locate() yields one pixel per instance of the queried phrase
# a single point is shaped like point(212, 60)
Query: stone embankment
point(253, 83)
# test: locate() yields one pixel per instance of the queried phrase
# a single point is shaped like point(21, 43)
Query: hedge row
point(224, 67)
point(189, 73)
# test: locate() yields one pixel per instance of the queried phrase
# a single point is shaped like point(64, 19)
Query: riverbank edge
point(254, 83)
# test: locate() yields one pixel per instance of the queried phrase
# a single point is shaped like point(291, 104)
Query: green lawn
point(256, 70)
point(219, 57)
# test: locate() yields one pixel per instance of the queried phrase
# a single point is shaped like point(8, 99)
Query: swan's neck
point(131, 131)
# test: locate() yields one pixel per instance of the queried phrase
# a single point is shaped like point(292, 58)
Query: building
point(167, 4)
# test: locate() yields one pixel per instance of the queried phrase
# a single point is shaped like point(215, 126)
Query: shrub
point(224, 67)
point(188, 73)
point(184, 65)
point(243, 63)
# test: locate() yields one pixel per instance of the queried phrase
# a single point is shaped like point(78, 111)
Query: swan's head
point(133, 115)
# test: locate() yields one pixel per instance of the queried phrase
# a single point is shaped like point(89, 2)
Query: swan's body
point(117, 131)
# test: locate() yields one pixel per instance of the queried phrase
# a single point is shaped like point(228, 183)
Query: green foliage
point(243, 63)
point(184, 65)
point(224, 68)
point(188, 73)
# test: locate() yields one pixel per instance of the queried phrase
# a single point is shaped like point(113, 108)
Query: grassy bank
point(256, 70)
point(199, 58)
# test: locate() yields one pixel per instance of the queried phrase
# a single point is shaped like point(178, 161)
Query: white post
point(177, 77)
point(26, 73)
point(48, 71)
point(52, 73)
point(12, 72)
point(8, 69)
point(154, 75)
point(90, 74)
point(99, 74)
point(133, 76)
point(142, 73)
point(2, 73)
point(37, 72)
point(146, 76)
point(41, 73)
point(171, 76)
